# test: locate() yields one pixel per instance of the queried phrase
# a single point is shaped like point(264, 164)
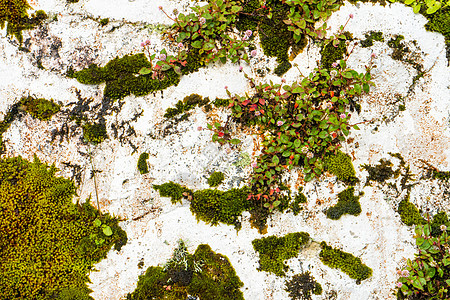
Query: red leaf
point(183, 63)
point(262, 101)
point(262, 111)
point(245, 102)
point(220, 134)
point(295, 105)
point(332, 93)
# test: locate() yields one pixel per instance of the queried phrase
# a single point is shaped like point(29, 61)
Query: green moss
point(409, 213)
point(401, 107)
point(341, 166)
point(142, 163)
point(104, 22)
point(194, 62)
point(206, 275)
point(188, 103)
point(349, 264)
point(348, 203)
point(247, 21)
point(301, 286)
point(12, 114)
point(39, 108)
point(370, 37)
point(49, 244)
point(274, 251)
point(379, 173)
point(120, 75)
point(295, 204)
point(329, 53)
point(282, 67)
point(14, 14)
point(216, 179)
point(173, 190)
point(214, 206)
point(440, 22)
point(221, 102)
point(94, 133)
point(218, 280)
point(438, 220)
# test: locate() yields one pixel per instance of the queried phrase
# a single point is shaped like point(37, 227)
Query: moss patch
point(349, 264)
point(294, 205)
point(142, 163)
point(213, 206)
point(301, 286)
point(48, 243)
point(14, 14)
point(274, 251)
point(348, 203)
point(379, 173)
point(370, 37)
point(341, 166)
point(173, 190)
point(409, 213)
point(216, 179)
point(94, 133)
point(188, 103)
point(122, 79)
point(206, 275)
point(39, 108)
point(330, 53)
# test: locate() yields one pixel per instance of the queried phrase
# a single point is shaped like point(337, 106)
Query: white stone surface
point(187, 156)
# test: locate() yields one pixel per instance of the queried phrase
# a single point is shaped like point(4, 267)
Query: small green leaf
point(145, 71)
point(416, 8)
point(408, 2)
point(197, 44)
point(97, 222)
point(235, 141)
point(107, 230)
point(275, 160)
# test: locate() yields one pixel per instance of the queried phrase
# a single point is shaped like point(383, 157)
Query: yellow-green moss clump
point(14, 14)
point(214, 206)
point(94, 133)
point(341, 166)
point(39, 108)
point(142, 163)
point(215, 179)
point(440, 22)
point(409, 213)
point(48, 244)
point(349, 264)
point(122, 79)
point(206, 275)
point(348, 203)
point(274, 251)
point(329, 53)
point(173, 190)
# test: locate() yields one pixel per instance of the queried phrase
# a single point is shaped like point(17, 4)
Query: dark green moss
point(121, 80)
point(282, 67)
point(12, 114)
point(438, 220)
point(401, 107)
point(194, 62)
point(173, 190)
point(104, 22)
point(142, 163)
point(248, 20)
point(301, 286)
point(409, 213)
point(94, 133)
point(399, 48)
point(274, 251)
point(214, 206)
point(349, 264)
point(188, 103)
point(295, 204)
point(330, 54)
point(14, 14)
point(215, 179)
point(440, 22)
point(39, 108)
point(221, 102)
point(370, 37)
point(379, 173)
point(217, 280)
point(213, 279)
point(55, 238)
point(341, 166)
point(348, 203)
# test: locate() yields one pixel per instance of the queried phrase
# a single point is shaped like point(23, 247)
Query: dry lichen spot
point(429, 143)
